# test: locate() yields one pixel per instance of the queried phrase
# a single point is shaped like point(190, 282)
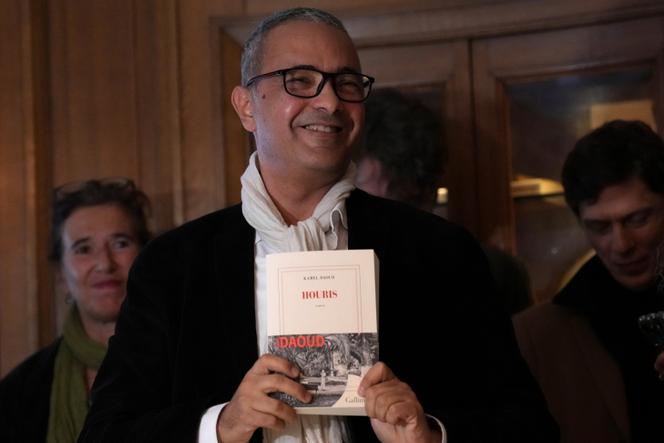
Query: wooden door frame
point(500, 61)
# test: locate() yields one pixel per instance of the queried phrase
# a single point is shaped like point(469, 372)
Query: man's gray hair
point(252, 53)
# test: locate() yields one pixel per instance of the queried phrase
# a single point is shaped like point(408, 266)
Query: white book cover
point(323, 316)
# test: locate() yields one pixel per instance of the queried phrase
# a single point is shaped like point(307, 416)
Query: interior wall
point(23, 177)
point(139, 88)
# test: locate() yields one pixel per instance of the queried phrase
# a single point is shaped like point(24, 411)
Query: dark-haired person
point(403, 154)
point(585, 348)
point(402, 158)
point(98, 228)
point(188, 361)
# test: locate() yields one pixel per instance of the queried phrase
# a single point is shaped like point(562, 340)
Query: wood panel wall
point(114, 96)
point(88, 89)
point(139, 88)
point(24, 177)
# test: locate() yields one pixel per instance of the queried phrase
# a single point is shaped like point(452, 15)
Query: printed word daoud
point(300, 341)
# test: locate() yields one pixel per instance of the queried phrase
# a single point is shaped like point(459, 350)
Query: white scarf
point(308, 235)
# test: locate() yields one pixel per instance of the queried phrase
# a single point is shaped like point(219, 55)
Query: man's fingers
point(381, 396)
point(400, 413)
point(269, 363)
point(251, 406)
point(659, 365)
point(277, 409)
point(278, 383)
point(377, 374)
point(395, 412)
point(259, 419)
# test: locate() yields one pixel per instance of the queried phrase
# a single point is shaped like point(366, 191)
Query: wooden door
point(535, 94)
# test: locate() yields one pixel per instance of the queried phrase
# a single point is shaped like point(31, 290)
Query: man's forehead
point(618, 201)
point(600, 212)
point(307, 43)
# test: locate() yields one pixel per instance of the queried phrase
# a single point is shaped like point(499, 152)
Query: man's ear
point(241, 98)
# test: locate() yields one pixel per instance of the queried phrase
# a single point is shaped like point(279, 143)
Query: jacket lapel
point(605, 372)
point(234, 267)
point(366, 229)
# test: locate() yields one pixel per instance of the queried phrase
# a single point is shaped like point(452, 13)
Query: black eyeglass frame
point(321, 85)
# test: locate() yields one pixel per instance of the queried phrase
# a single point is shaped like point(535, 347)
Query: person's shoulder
point(542, 312)
point(37, 368)
point(582, 286)
point(195, 235)
point(392, 212)
point(409, 231)
point(545, 320)
point(25, 397)
point(204, 226)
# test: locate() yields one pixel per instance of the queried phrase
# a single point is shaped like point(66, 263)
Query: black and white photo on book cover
point(322, 316)
point(331, 366)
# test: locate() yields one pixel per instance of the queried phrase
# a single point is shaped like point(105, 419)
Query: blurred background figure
point(403, 158)
point(598, 371)
point(97, 229)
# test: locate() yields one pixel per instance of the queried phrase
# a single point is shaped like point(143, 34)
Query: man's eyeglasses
point(350, 87)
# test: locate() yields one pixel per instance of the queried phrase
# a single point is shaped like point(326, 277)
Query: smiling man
point(188, 362)
point(585, 349)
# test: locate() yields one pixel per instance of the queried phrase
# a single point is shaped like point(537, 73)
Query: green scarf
point(69, 397)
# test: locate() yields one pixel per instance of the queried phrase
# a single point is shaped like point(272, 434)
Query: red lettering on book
point(325, 293)
point(300, 341)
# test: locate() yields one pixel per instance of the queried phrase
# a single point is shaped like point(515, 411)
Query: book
point(323, 316)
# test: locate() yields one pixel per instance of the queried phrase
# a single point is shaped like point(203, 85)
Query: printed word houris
point(300, 341)
point(325, 293)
